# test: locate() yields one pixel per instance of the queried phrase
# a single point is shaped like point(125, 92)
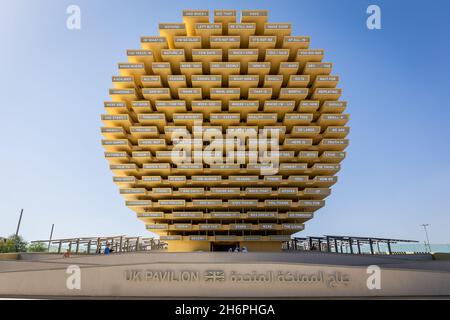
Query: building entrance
point(223, 246)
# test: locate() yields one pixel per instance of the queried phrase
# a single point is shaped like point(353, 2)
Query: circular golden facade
point(225, 133)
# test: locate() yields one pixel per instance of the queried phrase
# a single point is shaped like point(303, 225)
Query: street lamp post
point(17, 230)
point(425, 225)
point(50, 240)
point(19, 222)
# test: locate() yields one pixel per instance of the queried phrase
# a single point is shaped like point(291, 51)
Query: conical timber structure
point(251, 82)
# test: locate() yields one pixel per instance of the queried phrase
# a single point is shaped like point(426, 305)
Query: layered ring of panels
point(231, 77)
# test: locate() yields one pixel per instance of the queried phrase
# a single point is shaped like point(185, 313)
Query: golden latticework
point(189, 132)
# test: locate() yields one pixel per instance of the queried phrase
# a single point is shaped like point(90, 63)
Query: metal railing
point(97, 245)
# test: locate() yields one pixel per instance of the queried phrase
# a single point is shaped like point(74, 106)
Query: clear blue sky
point(54, 81)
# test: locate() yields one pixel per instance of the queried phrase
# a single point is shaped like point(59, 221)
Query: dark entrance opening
point(223, 246)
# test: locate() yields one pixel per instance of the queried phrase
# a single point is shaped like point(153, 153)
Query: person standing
point(107, 249)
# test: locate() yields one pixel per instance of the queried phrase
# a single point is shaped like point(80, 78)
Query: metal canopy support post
point(371, 245)
point(351, 245)
point(389, 246)
point(99, 248)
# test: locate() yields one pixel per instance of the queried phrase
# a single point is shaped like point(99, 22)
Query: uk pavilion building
point(222, 133)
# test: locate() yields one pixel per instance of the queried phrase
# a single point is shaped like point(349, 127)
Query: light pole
point(425, 225)
point(17, 230)
point(50, 240)
point(19, 222)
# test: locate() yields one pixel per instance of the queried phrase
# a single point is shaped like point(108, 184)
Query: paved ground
point(31, 262)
